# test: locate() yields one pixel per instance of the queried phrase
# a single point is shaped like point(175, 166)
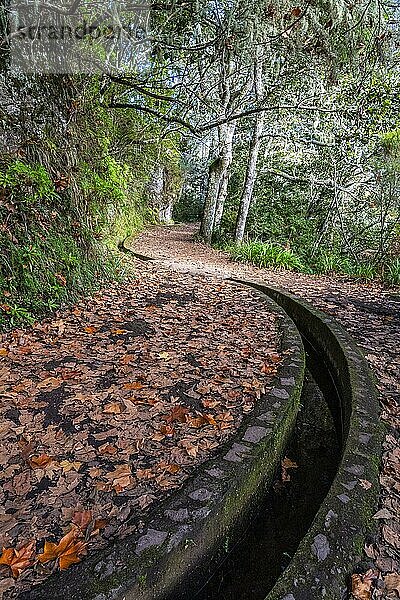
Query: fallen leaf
point(67, 466)
point(165, 355)
point(68, 551)
point(38, 462)
point(361, 585)
point(167, 430)
point(367, 485)
point(90, 329)
point(107, 449)
point(82, 519)
point(114, 408)
point(178, 413)
point(136, 385)
point(19, 559)
point(3, 352)
point(127, 359)
point(392, 583)
point(144, 474)
point(384, 513)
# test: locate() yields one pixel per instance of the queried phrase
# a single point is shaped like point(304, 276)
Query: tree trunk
point(223, 190)
point(255, 144)
point(218, 179)
point(251, 176)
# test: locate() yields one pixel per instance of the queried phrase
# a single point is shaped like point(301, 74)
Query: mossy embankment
point(74, 181)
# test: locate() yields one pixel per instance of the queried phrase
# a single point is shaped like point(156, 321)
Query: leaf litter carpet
point(370, 312)
point(109, 406)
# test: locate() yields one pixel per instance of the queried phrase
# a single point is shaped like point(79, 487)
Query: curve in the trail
point(195, 526)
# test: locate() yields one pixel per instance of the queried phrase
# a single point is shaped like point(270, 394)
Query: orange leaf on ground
point(90, 329)
point(127, 358)
point(136, 385)
point(68, 551)
point(3, 352)
point(361, 585)
point(18, 560)
point(38, 462)
point(266, 368)
point(202, 421)
point(178, 413)
point(167, 430)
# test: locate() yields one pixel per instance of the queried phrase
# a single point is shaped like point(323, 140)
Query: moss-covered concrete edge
point(194, 528)
point(333, 546)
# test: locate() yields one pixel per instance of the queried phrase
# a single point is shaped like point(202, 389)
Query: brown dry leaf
point(145, 474)
point(167, 430)
point(49, 382)
point(90, 329)
point(19, 559)
point(391, 534)
point(190, 448)
point(125, 360)
point(136, 385)
point(107, 449)
point(39, 462)
point(3, 352)
point(367, 485)
point(296, 12)
point(100, 524)
point(67, 466)
point(268, 369)
point(392, 583)
point(274, 357)
point(178, 413)
point(114, 408)
point(170, 468)
point(82, 519)
point(95, 472)
point(68, 551)
point(287, 464)
point(361, 585)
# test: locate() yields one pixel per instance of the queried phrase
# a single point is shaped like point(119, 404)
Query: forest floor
point(111, 404)
point(370, 312)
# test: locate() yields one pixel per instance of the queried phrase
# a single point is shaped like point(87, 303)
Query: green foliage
point(392, 272)
point(27, 183)
point(66, 205)
point(266, 255)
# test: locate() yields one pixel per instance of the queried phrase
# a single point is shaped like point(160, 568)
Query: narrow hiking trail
point(368, 311)
point(110, 405)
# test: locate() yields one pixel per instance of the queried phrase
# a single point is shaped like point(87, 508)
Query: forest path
point(108, 406)
point(370, 312)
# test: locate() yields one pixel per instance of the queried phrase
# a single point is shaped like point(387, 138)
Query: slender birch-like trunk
point(255, 144)
point(223, 190)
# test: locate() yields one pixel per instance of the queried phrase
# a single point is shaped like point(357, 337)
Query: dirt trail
point(368, 311)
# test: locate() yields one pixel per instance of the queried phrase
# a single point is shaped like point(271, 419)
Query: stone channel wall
point(334, 544)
